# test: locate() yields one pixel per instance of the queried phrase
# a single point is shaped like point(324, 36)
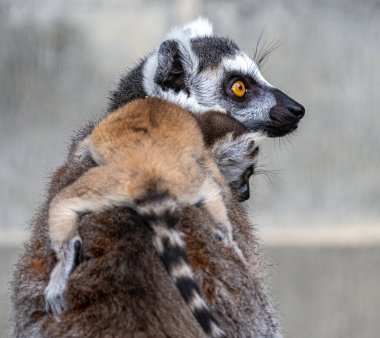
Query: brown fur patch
point(215, 125)
point(199, 261)
point(38, 266)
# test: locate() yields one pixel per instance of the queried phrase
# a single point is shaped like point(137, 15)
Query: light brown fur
point(148, 146)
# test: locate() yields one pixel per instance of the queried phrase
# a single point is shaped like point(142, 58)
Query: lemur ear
point(175, 61)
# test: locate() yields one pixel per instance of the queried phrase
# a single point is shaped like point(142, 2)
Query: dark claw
point(77, 253)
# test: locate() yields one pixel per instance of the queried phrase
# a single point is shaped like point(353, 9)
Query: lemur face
point(200, 72)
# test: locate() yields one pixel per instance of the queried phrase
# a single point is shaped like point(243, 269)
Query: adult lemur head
point(202, 72)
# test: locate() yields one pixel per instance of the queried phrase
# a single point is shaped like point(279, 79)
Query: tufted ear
point(175, 61)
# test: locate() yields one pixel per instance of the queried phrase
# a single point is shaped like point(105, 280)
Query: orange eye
point(238, 88)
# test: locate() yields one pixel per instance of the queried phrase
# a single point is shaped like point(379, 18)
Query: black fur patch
point(200, 203)
point(187, 288)
point(169, 217)
point(129, 88)
point(152, 195)
point(77, 254)
point(173, 254)
point(211, 50)
point(204, 318)
point(170, 73)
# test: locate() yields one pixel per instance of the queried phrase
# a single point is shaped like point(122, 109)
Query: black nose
point(287, 102)
point(282, 116)
point(297, 109)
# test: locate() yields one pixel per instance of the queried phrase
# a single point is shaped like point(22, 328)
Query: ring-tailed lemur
point(200, 71)
point(152, 157)
point(218, 80)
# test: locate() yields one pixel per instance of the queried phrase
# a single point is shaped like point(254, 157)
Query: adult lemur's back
point(121, 289)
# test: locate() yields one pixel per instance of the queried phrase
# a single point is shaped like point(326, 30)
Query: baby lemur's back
point(151, 156)
point(152, 142)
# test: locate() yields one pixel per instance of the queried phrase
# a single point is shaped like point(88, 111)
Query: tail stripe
point(203, 317)
point(187, 286)
point(172, 251)
point(168, 252)
point(168, 238)
point(181, 269)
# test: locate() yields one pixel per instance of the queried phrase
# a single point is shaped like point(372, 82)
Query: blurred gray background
point(318, 208)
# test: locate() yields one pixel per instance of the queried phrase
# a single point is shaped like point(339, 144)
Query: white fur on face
point(243, 63)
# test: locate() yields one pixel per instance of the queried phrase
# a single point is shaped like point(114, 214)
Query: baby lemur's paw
point(54, 297)
point(69, 256)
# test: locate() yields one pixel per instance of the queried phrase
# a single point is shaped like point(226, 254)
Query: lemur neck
point(129, 88)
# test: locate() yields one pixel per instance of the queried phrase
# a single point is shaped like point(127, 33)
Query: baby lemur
point(152, 157)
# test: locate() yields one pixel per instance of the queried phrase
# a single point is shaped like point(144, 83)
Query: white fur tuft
point(198, 28)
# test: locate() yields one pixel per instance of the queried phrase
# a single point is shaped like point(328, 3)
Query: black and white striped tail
point(163, 217)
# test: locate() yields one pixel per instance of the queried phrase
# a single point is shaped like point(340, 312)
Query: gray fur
point(55, 302)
